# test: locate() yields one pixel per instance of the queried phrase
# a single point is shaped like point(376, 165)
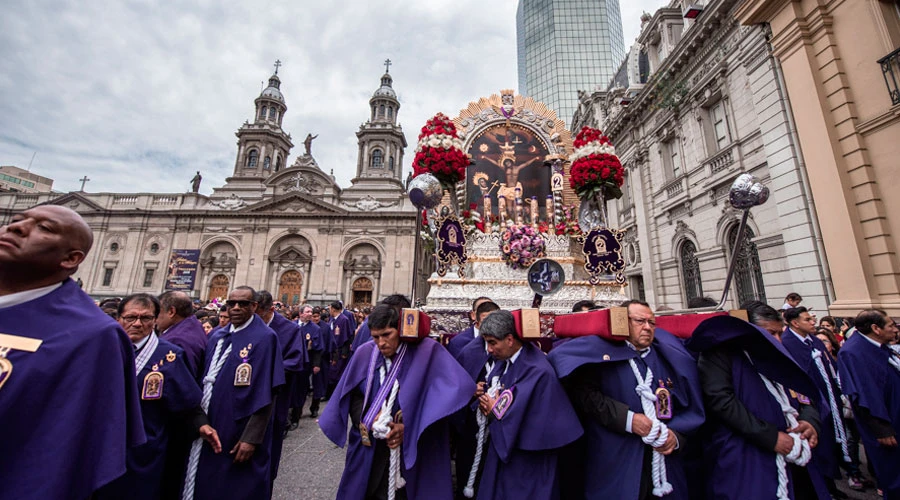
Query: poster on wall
point(182, 270)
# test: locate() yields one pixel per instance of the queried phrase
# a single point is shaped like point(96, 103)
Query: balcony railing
point(890, 68)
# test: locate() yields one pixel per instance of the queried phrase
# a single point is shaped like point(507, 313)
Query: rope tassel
point(481, 419)
point(380, 429)
point(659, 432)
point(840, 433)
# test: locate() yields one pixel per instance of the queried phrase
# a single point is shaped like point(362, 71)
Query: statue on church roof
point(307, 143)
point(195, 182)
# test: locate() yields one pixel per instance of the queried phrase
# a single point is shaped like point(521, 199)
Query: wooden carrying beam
point(528, 323)
point(612, 324)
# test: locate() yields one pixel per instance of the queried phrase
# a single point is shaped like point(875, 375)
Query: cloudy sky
point(138, 95)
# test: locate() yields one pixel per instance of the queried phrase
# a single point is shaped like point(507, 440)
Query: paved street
point(311, 466)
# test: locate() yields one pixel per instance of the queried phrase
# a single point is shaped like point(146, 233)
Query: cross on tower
point(387, 65)
point(83, 180)
point(277, 65)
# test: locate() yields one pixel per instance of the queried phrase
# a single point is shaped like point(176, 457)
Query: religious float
point(514, 209)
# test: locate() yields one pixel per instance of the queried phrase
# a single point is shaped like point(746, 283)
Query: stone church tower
point(379, 165)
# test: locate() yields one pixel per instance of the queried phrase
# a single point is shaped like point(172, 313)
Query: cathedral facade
point(284, 227)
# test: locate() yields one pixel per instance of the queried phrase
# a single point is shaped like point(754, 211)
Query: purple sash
point(386, 386)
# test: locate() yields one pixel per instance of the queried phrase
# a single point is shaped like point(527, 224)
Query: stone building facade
point(696, 103)
point(285, 227)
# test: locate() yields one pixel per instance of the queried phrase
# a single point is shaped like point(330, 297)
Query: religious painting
point(506, 158)
point(182, 270)
point(450, 245)
point(153, 384)
point(602, 250)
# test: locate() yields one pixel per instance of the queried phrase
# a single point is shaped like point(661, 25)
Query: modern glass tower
point(565, 46)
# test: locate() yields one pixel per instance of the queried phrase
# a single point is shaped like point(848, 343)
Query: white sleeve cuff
point(628, 419)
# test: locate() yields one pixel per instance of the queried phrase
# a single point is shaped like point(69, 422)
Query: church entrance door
point(218, 287)
point(362, 292)
point(290, 287)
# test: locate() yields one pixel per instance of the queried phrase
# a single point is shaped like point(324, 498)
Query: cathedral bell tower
point(379, 166)
point(263, 147)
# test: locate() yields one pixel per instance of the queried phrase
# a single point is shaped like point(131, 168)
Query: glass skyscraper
point(565, 46)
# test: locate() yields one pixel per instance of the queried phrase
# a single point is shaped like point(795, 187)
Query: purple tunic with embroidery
point(70, 410)
point(180, 393)
point(872, 383)
point(188, 334)
point(613, 461)
point(522, 451)
point(230, 409)
point(432, 387)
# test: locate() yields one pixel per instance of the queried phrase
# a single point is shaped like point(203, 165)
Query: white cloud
point(139, 95)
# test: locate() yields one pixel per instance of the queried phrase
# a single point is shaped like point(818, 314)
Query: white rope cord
point(208, 381)
point(469, 490)
point(840, 433)
point(380, 429)
point(659, 432)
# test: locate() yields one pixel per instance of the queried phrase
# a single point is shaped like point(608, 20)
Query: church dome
point(273, 90)
point(386, 90)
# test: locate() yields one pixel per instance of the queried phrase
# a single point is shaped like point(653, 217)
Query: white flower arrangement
point(594, 147)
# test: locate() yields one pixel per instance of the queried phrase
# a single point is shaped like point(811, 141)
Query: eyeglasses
point(643, 321)
point(240, 303)
point(142, 319)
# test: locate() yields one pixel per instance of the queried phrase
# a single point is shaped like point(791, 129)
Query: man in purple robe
point(529, 417)
point(762, 423)
point(242, 376)
point(300, 389)
point(177, 324)
point(809, 352)
point(342, 335)
point(639, 401)
point(456, 344)
point(870, 372)
point(170, 398)
point(320, 356)
point(383, 378)
point(397, 301)
point(294, 360)
point(68, 405)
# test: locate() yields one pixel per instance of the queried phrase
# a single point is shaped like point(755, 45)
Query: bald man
point(67, 370)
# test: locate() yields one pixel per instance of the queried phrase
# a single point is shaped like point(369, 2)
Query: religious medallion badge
point(663, 402)
point(504, 401)
point(9, 343)
point(6, 366)
point(244, 371)
point(450, 245)
point(602, 248)
point(153, 385)
point(170, 357)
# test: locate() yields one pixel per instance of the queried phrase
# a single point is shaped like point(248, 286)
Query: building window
point(107, 276)
point(272, 113)
point(154, 247)
point(114, 247)
point(391, 164)
point(267, 163)
point(748, 277)
point(377, 159)
point(719, 125)
point(278, 164)
point(390, 111)
point(262, 112)
point(148, 277)
point(381, 110)
point(671, 159)
point(252, 158)
point(690, 272)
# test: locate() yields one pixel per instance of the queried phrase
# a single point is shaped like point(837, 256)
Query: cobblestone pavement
point(311, 466)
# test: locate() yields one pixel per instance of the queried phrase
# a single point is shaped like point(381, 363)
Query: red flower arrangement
point(439, 151)
point(595, 166)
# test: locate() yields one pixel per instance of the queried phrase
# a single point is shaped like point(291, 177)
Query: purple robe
point(872, 383)
point(460, 340)
point(522, 451)
point(432, 387)
point(613, 461)
point(825, 454)
point(472, 358)
point(342, 329)
point(70, 410)
point(231, 408)
point(737, 468)
point(180, 393)
point(188, 334)
point(294, 360)
point(320, 340)
point(362, 336)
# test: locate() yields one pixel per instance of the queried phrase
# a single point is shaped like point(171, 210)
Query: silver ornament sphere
point(425, 191)
point(747, 192)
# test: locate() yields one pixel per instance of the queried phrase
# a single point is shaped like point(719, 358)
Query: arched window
point(690, 272)
point(278, 164)
point(252, 158)
point(377, 159)
point(262, 113)
point(272, 112)
point(374, 110)
point(381, 110)
point(390, 111)
point(267, 163)
point(391, 163)
point(748, 279)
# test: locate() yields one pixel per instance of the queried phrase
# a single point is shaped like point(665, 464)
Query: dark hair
point(384, 316)
point(179, 300)
point(475, 302)
point(629, 303)
point(143, 299)
point(397, 301)
point(758, 312)
point(213, 322)
point(583, 305)
point(111, 312)
point(831, 338)
point(498, 325)
point(697, 302)
point(486, 307)
point(323, 316)
point(868, 318)
point(793, 313)
point(113, 302)
point(829, 319)
point(223, 308)
point(336, 305)
point(264, 300)
point(200, 314)
point(793, 296)
point(245, 287)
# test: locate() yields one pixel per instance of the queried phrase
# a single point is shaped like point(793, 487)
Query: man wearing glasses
point(169, 397)
point(638, 400)
point(243, 372)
